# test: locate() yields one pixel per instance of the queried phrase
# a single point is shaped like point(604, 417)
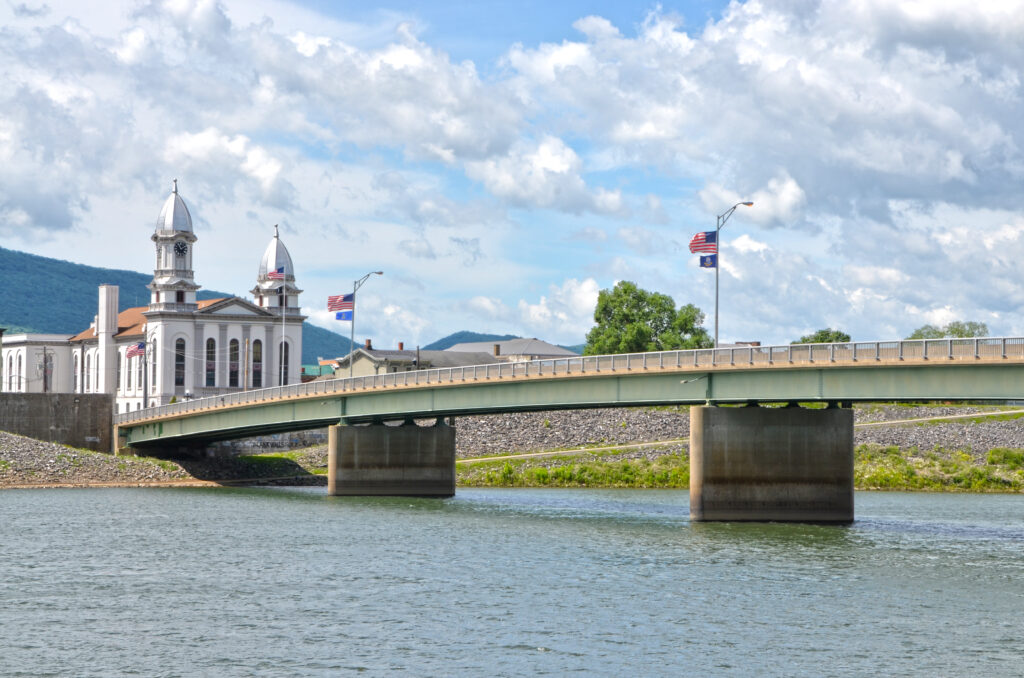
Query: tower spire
point(175, 185)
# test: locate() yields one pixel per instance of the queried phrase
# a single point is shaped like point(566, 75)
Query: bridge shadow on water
point(246, 470)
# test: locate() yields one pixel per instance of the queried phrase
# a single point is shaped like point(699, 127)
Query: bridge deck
point(917, 370)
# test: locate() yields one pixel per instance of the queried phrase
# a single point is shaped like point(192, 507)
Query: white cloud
point(489, 308)
point(777, 203)
point(881, 142)
point(565, 314)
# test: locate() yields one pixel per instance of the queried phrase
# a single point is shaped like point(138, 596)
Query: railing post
point(1004, 349)
point(949, 349)
point(831, 353)
point(977, 354)
point(645, 361)
point(901, 351)
point(789, 353)
point(627, 361)
point(750, 355)
point(854, 345)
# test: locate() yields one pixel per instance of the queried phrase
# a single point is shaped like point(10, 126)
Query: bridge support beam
point(395, 461)
point(771, 464)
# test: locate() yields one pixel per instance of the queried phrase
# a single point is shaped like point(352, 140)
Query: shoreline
point(935, 448)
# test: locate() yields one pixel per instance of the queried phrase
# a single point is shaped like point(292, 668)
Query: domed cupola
point(275, 280)
point(276, 260)
point(173, 288)
point(174, 216)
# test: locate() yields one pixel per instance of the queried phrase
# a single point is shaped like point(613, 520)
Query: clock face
point(180, 248)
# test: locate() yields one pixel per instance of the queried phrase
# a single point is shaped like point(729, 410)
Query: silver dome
point(174, 216)
point(276, 256)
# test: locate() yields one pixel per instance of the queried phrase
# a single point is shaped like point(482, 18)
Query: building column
point(771, 464)
point(396, 461)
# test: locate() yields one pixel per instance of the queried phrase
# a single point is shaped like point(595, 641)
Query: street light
point(722, 218)
point(352, 340)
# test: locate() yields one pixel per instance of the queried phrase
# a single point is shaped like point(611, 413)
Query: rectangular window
point(179, 362)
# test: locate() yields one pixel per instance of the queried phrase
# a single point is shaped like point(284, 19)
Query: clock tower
point(173, 288)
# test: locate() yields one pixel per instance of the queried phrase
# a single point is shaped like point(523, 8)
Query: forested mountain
point(59, 297)
point(465, 337)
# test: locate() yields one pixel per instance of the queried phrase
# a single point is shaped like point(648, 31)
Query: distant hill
point(463, 337)
point(59, 297)
point(320, 343)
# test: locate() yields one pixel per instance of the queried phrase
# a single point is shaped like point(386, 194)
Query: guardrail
point(851, 352)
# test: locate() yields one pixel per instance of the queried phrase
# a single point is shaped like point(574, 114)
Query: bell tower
point(173, 287)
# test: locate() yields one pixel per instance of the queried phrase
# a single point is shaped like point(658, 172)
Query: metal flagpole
point(284, 307)
point(719, 223)
point(352, 338)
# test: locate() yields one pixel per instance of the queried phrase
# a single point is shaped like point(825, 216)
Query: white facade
point(191, 349)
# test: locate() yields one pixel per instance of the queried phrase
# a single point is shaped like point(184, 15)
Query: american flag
point(136, 349)
point(276, 275)
point(706, 241)
point(341, 302)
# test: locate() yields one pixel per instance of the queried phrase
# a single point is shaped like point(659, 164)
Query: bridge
point(727, 443)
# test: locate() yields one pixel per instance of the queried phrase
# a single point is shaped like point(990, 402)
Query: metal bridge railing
point(851, 352)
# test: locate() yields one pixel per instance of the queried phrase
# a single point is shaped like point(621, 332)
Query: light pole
point(352, 340)
point(719, 223)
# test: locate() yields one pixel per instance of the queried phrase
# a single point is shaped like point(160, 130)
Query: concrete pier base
point(771, 464)
point(396, 461)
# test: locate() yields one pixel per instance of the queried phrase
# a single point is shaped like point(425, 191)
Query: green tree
point(958, 329)
point(826, 336)
point(631, 320)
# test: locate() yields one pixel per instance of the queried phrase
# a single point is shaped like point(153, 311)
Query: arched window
point(211, 362)
point(179, 362)
point(10, 372)
point(233, 363)
point(257, 364)
point(140, 365)
point(88, 373)
point(21, 377)
point(151, 351)
point(283, 365)
point(74, 377)
point(127, 375)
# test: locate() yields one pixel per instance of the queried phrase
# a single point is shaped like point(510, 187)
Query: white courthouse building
point(189, 348)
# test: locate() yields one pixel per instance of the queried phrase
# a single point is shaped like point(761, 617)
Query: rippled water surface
point(271, 582)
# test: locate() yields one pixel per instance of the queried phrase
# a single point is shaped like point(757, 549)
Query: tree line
point(629, 319)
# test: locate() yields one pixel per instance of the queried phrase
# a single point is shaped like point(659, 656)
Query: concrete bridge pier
point(396, 461)
point(771, 464)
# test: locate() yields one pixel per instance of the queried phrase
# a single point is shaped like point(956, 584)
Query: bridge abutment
point(397, 461)
point(771, 464)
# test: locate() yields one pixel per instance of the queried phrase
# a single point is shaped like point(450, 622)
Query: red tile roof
point(130, 322)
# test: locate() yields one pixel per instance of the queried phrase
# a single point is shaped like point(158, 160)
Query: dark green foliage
point(957, 329)
point(633, 320)
point(465, 337)
point(60, 297)
point(1012, 459)
point(826, 336)
point(666, 471)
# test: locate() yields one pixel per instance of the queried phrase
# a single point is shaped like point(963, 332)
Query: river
point(288, 582)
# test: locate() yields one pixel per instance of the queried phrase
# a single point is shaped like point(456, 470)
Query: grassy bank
point(875, 468)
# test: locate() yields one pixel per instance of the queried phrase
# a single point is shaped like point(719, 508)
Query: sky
point(503, 162)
